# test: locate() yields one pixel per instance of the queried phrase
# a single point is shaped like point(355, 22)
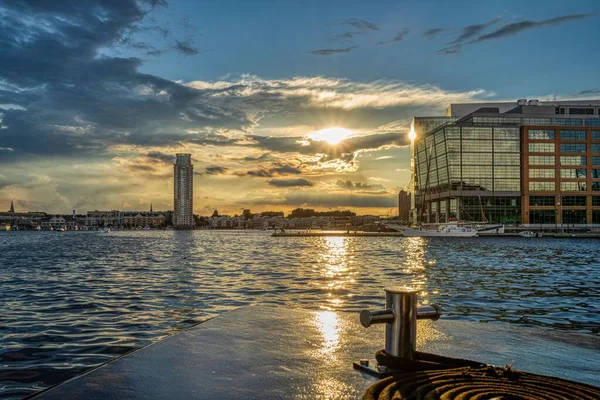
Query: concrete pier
point(275, 353)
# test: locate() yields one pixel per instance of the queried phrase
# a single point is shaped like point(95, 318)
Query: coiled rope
point(433, 377)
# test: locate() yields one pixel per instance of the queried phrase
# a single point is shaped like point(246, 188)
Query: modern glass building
point(183, 185)
point(536, 163)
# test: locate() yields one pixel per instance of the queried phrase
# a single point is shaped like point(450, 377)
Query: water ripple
point(73, 300)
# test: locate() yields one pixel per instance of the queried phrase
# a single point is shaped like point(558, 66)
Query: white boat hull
point(454, 232)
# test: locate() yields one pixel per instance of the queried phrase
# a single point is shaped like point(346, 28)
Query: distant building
point(183, 186)
point(404, 205)
point(12, 207)
point(531, 162)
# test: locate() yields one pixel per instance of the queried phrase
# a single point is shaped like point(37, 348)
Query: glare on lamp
point(412, 135)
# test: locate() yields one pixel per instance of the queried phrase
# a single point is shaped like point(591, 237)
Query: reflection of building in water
point(403, 205)
point(510, 163)
point(183, 185)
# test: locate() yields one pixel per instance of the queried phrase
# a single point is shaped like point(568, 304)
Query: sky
point(282, 104)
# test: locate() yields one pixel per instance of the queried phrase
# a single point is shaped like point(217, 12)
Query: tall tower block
point(183, 199)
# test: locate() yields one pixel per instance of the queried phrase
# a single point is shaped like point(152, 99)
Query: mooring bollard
point(400, 316)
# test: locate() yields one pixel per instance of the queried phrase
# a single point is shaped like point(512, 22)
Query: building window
point(595, 135)
point(596, 217)
point(541, 134)
point(596, 174)
point(569, 201)
point(507, 146)
point(573, 173)
point(542, 186)
point(477, 145)
point(595, 160)
point(511, 134)
point(572, 135)
point(568, 121)
point(596, 201)
point(573, 147)
point(539, 201)
point(508, 172)
point(595, 147)
point(541, 173)
point(542, 147)
point(542, 160)
point(596, 186)
point(477, 158)
point(507, 184)
point(542, 217)
point(573, 217)
point(573, 186)
point(573, 160)
point(507, 159)
point(581, 111)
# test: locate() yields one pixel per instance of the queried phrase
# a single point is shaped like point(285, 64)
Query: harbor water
point(70, 301)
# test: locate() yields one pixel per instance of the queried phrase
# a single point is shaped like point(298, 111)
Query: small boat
point(436, 230)
point(60, 229)
point(147, 228)
point(530, 234)
point(106, 230)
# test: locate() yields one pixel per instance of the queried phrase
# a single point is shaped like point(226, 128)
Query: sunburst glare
point(333, 135)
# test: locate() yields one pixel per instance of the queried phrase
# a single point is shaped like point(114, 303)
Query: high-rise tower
point(12, 207)
point(183, 185)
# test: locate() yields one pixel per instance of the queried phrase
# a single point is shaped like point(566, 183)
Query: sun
point(332, 135)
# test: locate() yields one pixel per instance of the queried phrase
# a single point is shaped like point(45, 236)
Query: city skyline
point(93, 109)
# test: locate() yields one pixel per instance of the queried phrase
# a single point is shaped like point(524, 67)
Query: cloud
point(216, 170)
point(516, 27)
point(329, 52)
point(364, 187)
point(161, 157)
point(276, 170)
point(359, 24)
point(455, 49)
point(185, 47)
point(345, 36)
point(396, 38)
point(430, 33)
point(470, 31)
point(289, 182)
point(588, 91)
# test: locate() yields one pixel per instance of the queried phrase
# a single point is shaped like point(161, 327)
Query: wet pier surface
point(260, 352)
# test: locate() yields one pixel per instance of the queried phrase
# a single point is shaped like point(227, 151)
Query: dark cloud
point(261, 158)
point(471, 31)
point(344, 150)
point(588, 91)
point(329, 52)
point(161, 157)
point(289, 182)
point(345, 36)
point(360, 24)
point(349, 185)
point(79, 102)
point(430, 33)
point(216, 170)
point(455, 49)
point(185, 47)
point(277, 169)
point(397, 38)
point(516, 27)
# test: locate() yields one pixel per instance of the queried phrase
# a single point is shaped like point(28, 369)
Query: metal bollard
point(400, 316)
